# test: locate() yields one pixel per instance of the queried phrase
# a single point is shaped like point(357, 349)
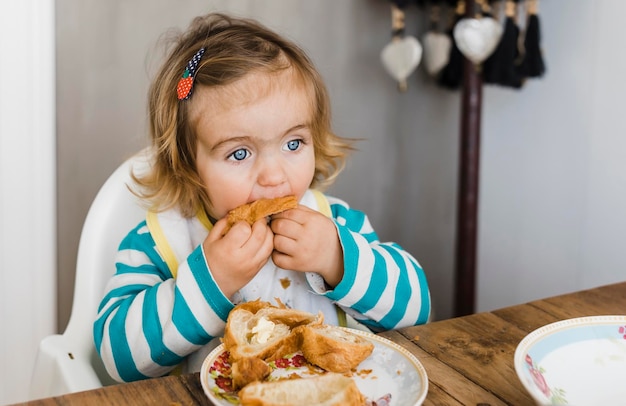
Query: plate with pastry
point(274, 355)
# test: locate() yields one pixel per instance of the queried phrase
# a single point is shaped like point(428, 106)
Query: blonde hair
point(234, 48)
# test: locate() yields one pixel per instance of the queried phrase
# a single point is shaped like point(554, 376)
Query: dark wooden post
point(469, 163)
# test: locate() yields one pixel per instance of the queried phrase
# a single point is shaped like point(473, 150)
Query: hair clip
point(185, 84)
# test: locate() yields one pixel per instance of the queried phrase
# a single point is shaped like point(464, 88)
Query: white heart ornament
point(477, 38)
point(401, 57)
point(436, 51)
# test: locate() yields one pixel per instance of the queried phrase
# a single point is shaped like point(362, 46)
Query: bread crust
point(259, 209)
point(333, 348)
point(248, 370)
point(329, 389)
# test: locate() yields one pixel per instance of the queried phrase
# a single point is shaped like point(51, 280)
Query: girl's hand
point(237, 256)
point(307, 241)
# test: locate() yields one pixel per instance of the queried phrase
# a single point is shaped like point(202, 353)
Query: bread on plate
point(247, 370)
point(334, 348)
point(260, 330)
point(330, 389)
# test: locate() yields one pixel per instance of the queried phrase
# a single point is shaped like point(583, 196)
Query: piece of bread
point(259, 209)
point(333, 348)
point(260, 330)
point(329, 389)
point(247, 370)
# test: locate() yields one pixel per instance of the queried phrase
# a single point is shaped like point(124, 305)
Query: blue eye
point(293, 145)
point(239, 155)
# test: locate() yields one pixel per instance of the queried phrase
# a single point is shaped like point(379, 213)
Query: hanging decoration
point(504, 54)
point(477, 37)
point(451, 74)
point(402, 55)
point(502, 67)
point(532, 65)
point(482, 50)
point(437, 44)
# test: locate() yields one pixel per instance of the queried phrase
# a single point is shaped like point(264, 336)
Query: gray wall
point(552, 181)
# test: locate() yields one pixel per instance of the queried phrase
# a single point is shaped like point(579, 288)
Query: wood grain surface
point(469, 360)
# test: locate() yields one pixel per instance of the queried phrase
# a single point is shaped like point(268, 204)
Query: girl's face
point(253, 140)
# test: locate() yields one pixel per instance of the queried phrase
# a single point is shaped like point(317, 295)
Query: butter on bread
point(333, 348)
point(260, 330)
point(259, 209)
point(330, 389)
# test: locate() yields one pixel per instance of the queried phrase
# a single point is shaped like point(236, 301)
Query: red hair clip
point(185, 84)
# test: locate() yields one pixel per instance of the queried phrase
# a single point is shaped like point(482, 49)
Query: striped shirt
point(149, 321)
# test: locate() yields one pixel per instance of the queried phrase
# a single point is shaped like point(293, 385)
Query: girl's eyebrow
point(226, 141)
point(296, 127)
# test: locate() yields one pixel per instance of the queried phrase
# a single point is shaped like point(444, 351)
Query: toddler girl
point(238, 113)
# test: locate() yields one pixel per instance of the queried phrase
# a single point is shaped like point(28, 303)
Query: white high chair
point(69, 362)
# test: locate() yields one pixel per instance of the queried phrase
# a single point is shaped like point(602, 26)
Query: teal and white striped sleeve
point(148, 321)
point(383, 287)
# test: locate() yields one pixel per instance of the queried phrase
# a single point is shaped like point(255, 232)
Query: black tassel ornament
point(533, 64)
point(491, 64)
point(451, 75)
point(502, 67)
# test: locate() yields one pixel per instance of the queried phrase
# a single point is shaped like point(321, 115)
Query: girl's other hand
point(236, 257)
point(307, 241)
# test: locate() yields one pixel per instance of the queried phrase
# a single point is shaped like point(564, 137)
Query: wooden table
point(469, 360)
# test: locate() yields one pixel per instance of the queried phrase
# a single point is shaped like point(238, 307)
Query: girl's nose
point(270, 172)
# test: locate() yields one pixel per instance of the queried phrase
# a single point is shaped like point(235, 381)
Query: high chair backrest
point(113, 213)
point(69, 362)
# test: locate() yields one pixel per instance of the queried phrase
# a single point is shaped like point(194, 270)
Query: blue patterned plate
point(579, 361)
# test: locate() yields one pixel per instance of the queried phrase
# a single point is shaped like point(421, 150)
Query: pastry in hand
point(259, 209)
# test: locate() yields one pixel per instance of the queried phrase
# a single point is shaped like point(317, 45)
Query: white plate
point(578, 361)
point(390, 369)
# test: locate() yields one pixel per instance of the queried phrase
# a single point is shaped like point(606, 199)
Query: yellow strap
point(342, 320)
point(204, 219)
point(161, 242)
point(178, 371)
point(322, 203)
